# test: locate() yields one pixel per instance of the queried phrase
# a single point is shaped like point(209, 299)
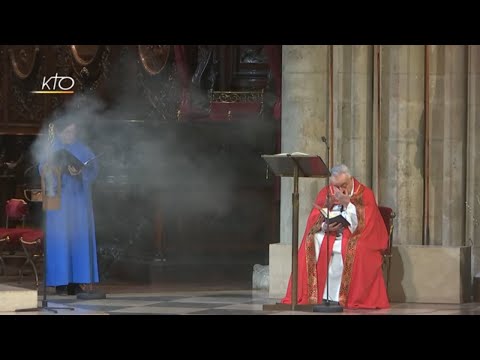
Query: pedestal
point(13, 298)
point(280, 268)
point(430, 274)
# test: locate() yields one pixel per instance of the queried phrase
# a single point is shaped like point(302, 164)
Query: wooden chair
point(16, 211)
point(32, 244)
point(388, 215)
point(13, 239)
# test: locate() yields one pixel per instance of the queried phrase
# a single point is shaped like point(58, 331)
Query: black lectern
point(295, 165)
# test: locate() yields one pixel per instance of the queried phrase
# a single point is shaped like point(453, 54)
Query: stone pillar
point(402, 137)
point(304, 117)
point(304, 121)
point(448, 125)
point(473, 158)
point(353, 114)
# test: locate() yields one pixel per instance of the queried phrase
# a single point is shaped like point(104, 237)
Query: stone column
point(473, 158)
point(304, 120)
point(448, 124)
point(304, 117)
point(353, 114)
point(401, 138)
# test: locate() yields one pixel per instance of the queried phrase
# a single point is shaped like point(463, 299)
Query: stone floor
point(189, 298)
point(184, 299)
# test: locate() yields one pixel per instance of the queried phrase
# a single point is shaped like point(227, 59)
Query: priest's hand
point(341, 197)
point(73, 171)
point(332, 227)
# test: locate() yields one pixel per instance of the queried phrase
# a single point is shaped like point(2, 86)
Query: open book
point(296, 153)
point(335, 216)
point(64, 158)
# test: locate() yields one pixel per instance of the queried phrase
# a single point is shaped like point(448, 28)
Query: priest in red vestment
point(355, 269)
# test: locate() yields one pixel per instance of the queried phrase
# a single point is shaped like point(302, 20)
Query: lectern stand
point(296, 166)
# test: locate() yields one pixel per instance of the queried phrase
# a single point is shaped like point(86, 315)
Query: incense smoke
point(146, 167)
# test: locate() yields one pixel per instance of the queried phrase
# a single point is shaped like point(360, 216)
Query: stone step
point(14, 298)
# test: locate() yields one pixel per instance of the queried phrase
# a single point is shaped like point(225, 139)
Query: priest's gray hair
point(340, 169)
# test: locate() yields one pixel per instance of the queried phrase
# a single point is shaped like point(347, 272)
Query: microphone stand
point(91, 294)
point(328, 306)
point(44, 306)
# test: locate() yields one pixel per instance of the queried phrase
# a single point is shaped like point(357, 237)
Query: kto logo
point(56, 85)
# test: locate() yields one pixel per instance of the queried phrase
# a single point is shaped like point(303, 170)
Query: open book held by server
point(64, 158)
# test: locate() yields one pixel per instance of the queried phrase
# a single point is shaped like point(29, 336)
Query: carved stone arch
point(86, 61)
point(24, 60)
point(28, 68)
point(157, 81)
point(154, 58)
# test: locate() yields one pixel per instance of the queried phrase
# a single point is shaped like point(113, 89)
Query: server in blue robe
point(70, 229)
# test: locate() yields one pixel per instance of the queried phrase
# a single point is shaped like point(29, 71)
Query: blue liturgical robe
point(71, 255)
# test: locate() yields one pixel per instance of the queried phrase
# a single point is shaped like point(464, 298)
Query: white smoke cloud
point(178, 167)
point(161, 159)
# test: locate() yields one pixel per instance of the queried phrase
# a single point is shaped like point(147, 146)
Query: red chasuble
point(362, 285)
